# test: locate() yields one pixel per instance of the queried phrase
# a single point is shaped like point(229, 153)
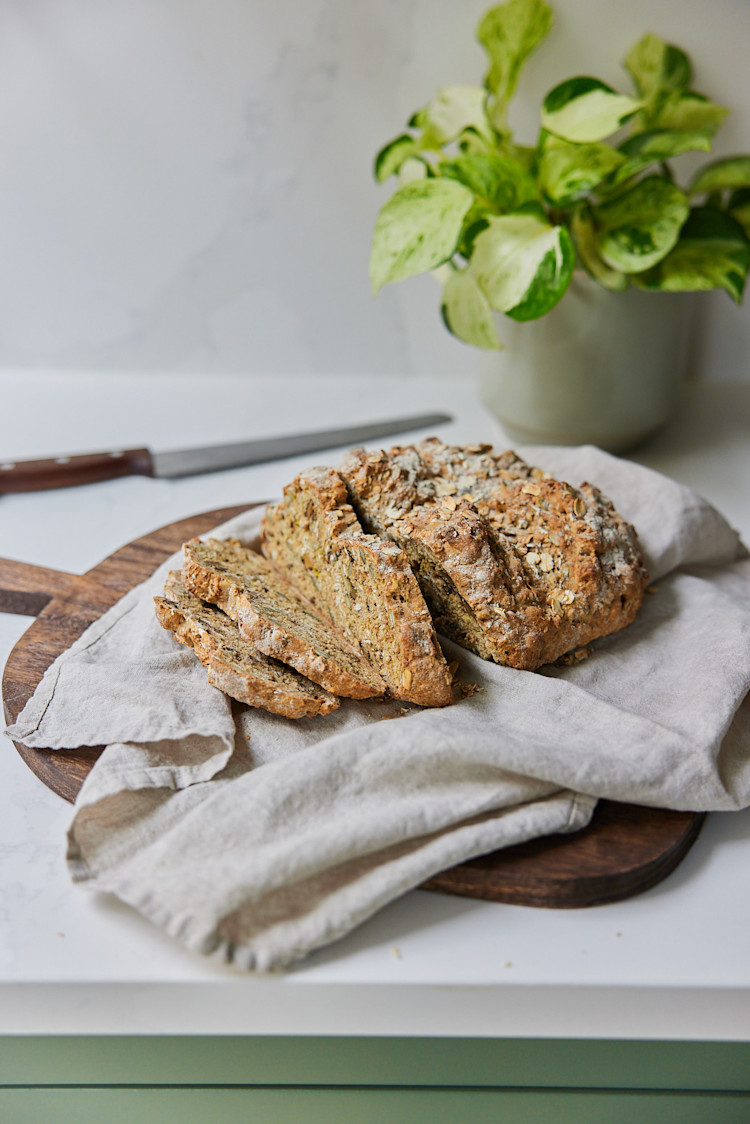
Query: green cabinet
point(272, 1080)
point(366, 1106)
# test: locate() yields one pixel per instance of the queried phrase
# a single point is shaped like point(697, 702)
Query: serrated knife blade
point(87, 468)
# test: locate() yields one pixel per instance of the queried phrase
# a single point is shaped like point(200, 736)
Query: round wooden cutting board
point(624, 850)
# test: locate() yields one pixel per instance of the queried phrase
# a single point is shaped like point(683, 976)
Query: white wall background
point(186, 184)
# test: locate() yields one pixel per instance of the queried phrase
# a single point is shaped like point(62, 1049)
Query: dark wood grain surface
point(623, 851)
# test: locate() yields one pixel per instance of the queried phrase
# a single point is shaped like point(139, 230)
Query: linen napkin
point(259, 839)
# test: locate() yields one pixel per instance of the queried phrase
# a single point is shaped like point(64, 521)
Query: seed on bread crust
point(561, 563)
point(361, 582)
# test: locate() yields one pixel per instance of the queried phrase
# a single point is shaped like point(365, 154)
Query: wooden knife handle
point(62, 472)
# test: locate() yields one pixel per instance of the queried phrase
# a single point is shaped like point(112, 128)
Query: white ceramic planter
point(601, 368)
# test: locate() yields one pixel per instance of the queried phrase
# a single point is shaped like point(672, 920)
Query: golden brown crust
point(275, 618)
point(476, 590)
point(362, 583)
point(559, 565)
point(233, 664)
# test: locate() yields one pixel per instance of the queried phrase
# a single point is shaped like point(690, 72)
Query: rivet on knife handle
point(61, 472)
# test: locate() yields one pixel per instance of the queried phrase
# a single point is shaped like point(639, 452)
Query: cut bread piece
point(275, 618)
point(559, 565)
point(234, 665)
point(362, 583)
point(476, 589)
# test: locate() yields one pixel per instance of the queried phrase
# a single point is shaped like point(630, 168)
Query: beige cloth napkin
point(259, 839)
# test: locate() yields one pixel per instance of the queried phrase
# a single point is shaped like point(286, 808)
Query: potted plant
point(580, 232)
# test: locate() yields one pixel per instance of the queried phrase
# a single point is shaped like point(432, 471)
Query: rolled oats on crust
point(361, 582)
point(515, 565)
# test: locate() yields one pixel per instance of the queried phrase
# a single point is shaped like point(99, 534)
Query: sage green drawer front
point(401, 1062)
point(365, 1106)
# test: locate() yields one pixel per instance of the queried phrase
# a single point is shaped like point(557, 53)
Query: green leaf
point(712, 253)
point(568, 172)
point(687, 111)
point(657, 67)
point(739, 197)
point(523, 264)
point(641, 226)
point(477, 220)
point(414, 168)
point(467, 313)
point(656, 146)
point(392, 156)
point(584, 237)
point(731, 172)
point(585, 110)
point(455, 109)
point(739, 208)
point(498, 180)
point(470, 141)
point(509, 33)
point(525, 155)
point(417, 229)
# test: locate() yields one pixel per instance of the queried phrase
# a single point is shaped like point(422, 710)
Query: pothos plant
point(504, 225)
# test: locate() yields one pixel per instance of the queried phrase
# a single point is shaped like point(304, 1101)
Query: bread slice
point(558, 567)
point(275, 618)
point(234, 665)
point(476, 589)
point(362, 583)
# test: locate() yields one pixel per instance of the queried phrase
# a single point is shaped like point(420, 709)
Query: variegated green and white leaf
point(413, 168)
point(467, 313)
point(655, 147)
point(470, 142)
point(730, 173)
point(476, 221)
point(657, 67)
point(390, 158)
point(639, 227)
point(712, 253)
point(585, 110)
point(455, 109)
point(509, 33)
point(584, 238)
point(523, 264)
point(417, 229)
point(569, 172)
point(687, 111)
point(496, 180)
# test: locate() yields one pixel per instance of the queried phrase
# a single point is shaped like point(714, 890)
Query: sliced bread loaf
point(581, 557)
point(234, 665)
point(362, 583)
point(275, 618)
point(559, 566)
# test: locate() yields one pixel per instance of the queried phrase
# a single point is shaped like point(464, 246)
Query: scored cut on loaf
point(275, 617)
point(362, 583)
point(515, 565)
point(234, 665)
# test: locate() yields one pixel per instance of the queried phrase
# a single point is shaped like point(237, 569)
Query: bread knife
point(87, 468)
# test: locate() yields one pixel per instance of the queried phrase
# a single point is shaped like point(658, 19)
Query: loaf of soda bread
point(514, 565)
point(361, 582)
point(276, 619)
point(234, 665)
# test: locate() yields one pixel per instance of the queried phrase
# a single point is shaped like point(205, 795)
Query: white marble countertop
point(671, 963)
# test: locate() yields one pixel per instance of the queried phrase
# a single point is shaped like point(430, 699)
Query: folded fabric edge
point(387, 876)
